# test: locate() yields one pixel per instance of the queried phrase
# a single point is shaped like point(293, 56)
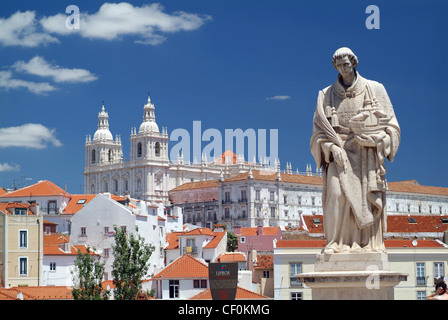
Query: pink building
point(257, 238)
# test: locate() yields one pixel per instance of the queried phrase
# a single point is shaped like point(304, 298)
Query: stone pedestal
point(354, 276)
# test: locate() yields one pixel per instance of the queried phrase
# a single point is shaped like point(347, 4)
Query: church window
point(139, 184)
point(92, 188)
point(139, 149)
point(110, 155)
point(93, 156)
point(157, 149)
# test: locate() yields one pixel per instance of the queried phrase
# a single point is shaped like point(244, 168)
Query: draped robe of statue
point(353, 197)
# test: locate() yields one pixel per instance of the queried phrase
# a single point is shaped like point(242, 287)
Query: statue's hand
point(371, 140)
point(338, 155)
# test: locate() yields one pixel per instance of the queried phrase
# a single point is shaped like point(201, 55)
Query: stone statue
point(354, 131)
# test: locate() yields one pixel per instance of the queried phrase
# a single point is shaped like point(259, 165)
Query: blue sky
point(215, 61)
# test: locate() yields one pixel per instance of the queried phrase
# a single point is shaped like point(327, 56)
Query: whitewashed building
point(93, 226)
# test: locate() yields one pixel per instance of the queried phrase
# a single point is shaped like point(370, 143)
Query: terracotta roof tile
point(272, 176)
point(8, 207)
point(412, 186)
point(76, 203)
point(241, 294)
point(54, 245)
point(197, 185)
point(184, 267)
point(267, 231)
point(232, 257)
point(216, 240)
point(41, 188)
point(265, 261)
point(37, 293)
point(389, 243)
point(423, 223)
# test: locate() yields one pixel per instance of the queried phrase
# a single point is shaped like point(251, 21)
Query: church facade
point(149, 173)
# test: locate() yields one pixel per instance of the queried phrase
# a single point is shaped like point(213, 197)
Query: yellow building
point(21, 243)
point(425, 262)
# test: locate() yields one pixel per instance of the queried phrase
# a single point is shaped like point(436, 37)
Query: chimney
point(260, 230)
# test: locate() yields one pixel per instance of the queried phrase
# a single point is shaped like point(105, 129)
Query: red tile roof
point(424, 223)
point(412, 186)
point(173, 237)
point(272, 176)
point(241, 294)
point(267, 231)
point(230, 155)
point(216, 240)
point(8, 207)
point(232, 257)
point(37, 293)
point(197, 185)
point(184, 267)
point(41, 188)
point(389, 243)
point(54, 245)
point(265, 261)
point(76, 202)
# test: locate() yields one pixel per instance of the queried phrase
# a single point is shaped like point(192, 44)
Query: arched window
point(110, 155)
point(157, 147)
point(93, 156)
point(139, 149)
point(92, 187)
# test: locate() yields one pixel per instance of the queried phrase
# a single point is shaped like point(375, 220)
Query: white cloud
point(29, 135)
point(115, 20)
point(7, 82)
point(279, 98)
point(20, 29)
point(40, 67)
point(7, 167)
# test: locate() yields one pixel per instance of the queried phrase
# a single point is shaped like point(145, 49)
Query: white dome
point(103, 134)
point(148, 126)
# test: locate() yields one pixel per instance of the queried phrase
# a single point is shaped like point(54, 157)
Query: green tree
point(232, 241)
point(87, 278)
point(131, 263)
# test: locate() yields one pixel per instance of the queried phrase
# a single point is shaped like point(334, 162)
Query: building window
point(313, 201)
point(93, 156)
point(271, 196)
point(20, 211)
point(200, 284)
point(272, 212)
point(139, 149)
point(52, 266)
point(299, 200)
point(421, 277)
point(257, 195)
point(258, 212)
point(52, 207)
point(106, 253)
point(243, 239)
point(157, 149)
point(139, 184)
point(23, 266)
point(243, 196)
point(226, 213)
point(174, 289)
point(294, 268)
point(227, 196)
point(110, 155)
point(23, 239)
point(92, 188)
point(266, 274)
point(439, 271)
point(285, 199)
point(83, 231)
point(296, 296)
point(421, 295)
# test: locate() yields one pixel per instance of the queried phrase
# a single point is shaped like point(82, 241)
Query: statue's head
point(342, 54)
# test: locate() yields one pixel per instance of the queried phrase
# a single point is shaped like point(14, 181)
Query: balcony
point(190, 250)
